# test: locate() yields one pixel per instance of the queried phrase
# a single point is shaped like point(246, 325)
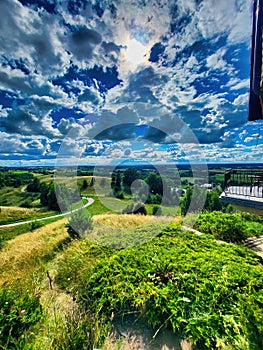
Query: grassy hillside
point(61, 294)
point(21, 256)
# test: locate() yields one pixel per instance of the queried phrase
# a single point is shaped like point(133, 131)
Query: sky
point(125, 81)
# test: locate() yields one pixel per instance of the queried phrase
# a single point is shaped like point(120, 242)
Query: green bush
point(157, 210)
point(36, 224)
point(209, 292)
point(79, 223)
point(224, 226)
point(19, 310)
point(136, 208)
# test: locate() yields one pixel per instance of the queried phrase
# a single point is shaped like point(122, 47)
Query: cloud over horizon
point(70, 75)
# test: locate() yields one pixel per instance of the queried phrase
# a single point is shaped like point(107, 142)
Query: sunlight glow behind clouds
point(77, 64)
point(135, 53)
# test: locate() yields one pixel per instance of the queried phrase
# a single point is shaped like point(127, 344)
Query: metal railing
point(244, 183)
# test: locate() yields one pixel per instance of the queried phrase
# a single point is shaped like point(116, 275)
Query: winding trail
point(90, 201)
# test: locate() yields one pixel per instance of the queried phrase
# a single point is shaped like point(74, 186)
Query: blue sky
point(89, 82)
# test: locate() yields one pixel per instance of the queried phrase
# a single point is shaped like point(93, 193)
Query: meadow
point(131, 281)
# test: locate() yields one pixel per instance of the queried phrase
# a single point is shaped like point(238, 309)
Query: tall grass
point(23, 254)
point(15, 214)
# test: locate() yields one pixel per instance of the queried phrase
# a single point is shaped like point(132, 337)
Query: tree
point(58, 197)
point(186, 200)
point(52, 198)
point(103, 182)
point(118, 181)
point(130, 175)
point(92, 182)
point(34, 186)
point(43, 193)
point(79, 223)
point(155, 183)
point(84, 184)
point(213, 201)
point(157, 210)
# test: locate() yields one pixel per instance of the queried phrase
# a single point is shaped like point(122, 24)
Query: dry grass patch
point(16, 213)
point(126, 230)
point(20, 255)
point(128, 220)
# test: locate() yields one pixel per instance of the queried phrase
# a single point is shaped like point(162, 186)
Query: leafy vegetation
point(228, 227)
point(79, 223)
point(19, 310)
point(209, 292)
point(206, 291)
point(14, 179)
point(135, 208)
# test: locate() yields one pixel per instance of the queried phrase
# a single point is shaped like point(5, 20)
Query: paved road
point(90, 201)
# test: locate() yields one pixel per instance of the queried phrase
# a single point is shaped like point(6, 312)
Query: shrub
point(209, 292)
point(119, 195)
point(36, 224)
point(79, 223)
point(224, 226)
point(157, 210)
point(137, 208)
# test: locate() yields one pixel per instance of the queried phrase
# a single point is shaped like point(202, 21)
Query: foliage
point(212, 201)
point(116, 184)
point(119, 195)
point(210, 292)
point(36, 224)
point(34, 185)
point(186, 200)
point(224, 226)
point(13, 179)
point(251, 217)
point(228, 227)
point(155, 183)
point(57, 196)
point(157, 210)
point(44, 189)
point(80, 331)
point(92, 182)
point(154, 198)
point(84, 184)
point(130, 175)
point(79, 223)
point(136, 208)
point(19, 310)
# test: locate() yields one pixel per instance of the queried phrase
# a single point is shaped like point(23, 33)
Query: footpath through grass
point(71, 298)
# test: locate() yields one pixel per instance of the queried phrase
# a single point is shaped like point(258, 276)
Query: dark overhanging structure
point(255, 108)
point(243, 189)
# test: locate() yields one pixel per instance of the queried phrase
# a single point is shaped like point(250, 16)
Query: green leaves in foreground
point(19, 310)
point(210, 292)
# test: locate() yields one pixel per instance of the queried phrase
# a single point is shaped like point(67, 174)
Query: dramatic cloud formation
point(156, 81)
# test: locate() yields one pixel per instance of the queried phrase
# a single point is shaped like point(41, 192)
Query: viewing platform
point(243, 189)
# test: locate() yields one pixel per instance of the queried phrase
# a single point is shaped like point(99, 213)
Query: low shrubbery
point(209, 292)
point(229, 227)
point(136, 208)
